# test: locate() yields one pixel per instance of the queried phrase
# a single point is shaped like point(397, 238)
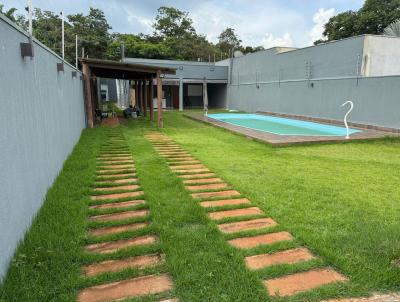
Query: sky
point(268, 23)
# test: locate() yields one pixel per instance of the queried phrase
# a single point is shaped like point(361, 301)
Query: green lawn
point(342, 201)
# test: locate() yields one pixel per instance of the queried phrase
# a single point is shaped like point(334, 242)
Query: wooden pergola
point(141, 75)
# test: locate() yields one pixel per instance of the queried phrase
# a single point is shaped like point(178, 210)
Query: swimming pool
point(280, 125)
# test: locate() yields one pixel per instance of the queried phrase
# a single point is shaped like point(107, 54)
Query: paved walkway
point(213, 193)
point(118, 212)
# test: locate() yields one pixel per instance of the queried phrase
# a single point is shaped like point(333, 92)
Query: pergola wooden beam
point(88, 95)
point(151, 100)
point(160, 120)
point(125, 71)
point(145, 98)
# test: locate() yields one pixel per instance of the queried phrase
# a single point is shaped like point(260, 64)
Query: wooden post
point(159, 101)
point(145, 98)
point(141, 96)
point(151, 100)
point(136, 95)
point(88, 95)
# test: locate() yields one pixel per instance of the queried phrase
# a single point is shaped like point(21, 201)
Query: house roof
point(123, 70)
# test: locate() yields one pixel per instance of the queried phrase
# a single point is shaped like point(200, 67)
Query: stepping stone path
point(217, 196)
point(117, 207)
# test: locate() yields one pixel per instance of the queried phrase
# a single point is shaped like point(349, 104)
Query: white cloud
point(251, 23)
point(271, 41)
point(321, 17)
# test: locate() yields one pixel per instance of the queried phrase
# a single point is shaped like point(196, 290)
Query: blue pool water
point(280, 126)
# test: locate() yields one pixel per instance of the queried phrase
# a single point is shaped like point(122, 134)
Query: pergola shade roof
point(121, 70)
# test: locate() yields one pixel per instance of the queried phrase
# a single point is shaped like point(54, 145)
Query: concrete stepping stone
point(117, 195)
point(117, 188)
point(114, 158)
point(111, 153)
point(191, 171)
point(113, 246)
point(265, 239)
point(183, 162)
point(195, 176)
point(104, 177)
point(247, 225)
point(168, 148)
point(375, 298)
point(174, 154)
point(207, 187)
point(114, 167)
point(187, 167)
point(131, 288)
point(224, 202)
point(107, 163)
point(180, 158)
point(120, 215)
point(115, 171)
point(170, 300)
point(112, 266)
point(202, 181)
point(118, 229)
point(227, 194)
point(235, 213)
point(284, 257)
point(118, 205)
point(117, 181)
point(300, 282)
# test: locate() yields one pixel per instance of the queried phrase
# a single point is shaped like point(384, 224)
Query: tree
point(137, 46)
point(171, 22)
point(228, 40)
point(9, 13)
point(393, 29)
point(93, 32)
point(372, 18)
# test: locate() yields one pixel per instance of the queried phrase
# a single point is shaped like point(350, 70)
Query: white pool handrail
point(345, 117)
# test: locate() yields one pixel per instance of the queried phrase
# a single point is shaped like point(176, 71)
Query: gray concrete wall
point(186, 69)
point(376, 100)
point(381, 56)
point(41, 119)
point(284, 83)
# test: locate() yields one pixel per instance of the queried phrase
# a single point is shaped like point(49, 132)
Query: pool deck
point(288, 140)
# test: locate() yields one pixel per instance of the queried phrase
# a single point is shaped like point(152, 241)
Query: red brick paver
point(113, 246)
point(247, 225)
point(300, 282)
point(117, 195)
point(265, 239)
point(224, 202)
point(118, 205)
point(118, 265)
point(117, 188)
point(118, 229)
point(283, 257)
point(131, 288)
point(235, 213)
point(229, 193)
point(120, 215)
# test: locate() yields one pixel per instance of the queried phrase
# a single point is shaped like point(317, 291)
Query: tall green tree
point(372, 18)
point(172, 22)
point(93, 32)
point(228, 40)
point(137, 46)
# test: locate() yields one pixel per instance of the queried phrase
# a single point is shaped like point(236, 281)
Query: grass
point(341, 201)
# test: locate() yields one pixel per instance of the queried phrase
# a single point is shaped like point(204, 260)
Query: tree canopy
point(372, 18)
point(174, 36)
